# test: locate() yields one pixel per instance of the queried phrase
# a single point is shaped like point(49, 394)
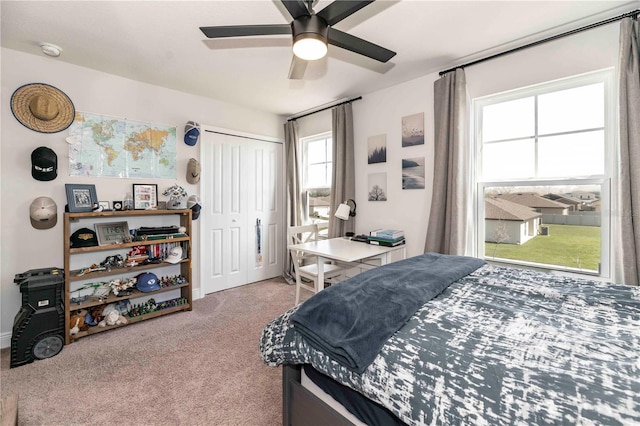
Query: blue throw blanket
point(352, 320)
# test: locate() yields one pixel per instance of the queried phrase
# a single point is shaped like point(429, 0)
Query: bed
point(444, 340)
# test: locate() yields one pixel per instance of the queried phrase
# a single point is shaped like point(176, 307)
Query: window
point(543, 175)
point(317, 174)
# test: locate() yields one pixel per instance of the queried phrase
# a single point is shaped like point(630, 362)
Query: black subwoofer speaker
point(38, 328)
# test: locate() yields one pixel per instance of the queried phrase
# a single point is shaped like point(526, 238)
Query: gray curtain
point(628, 250)
point(343, 182)
point(293, 170)
point(449, 217)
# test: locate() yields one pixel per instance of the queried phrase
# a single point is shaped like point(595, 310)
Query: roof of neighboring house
point(531, 199)
point(565, 199)
point(499, 209)
point(584, 195)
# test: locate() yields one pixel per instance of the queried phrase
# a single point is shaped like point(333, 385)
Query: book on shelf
point(391, 234)
point(387, 243)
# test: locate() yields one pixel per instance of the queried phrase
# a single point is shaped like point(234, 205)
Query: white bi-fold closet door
point(242, 214)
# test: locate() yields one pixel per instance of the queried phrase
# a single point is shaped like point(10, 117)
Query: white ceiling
point(159, 42)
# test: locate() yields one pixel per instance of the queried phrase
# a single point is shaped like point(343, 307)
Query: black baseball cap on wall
point(44, 164)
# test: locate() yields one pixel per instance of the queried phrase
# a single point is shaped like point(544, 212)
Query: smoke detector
point(50, 49)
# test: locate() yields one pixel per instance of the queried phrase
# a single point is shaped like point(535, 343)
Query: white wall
point(577, 54)
point(315, 124)
point(381, 113)
point(24, 247)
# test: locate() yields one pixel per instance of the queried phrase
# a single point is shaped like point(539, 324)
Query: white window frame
point(327, 136)
point(605, 180)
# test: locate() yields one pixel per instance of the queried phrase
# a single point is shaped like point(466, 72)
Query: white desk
point(346, 251)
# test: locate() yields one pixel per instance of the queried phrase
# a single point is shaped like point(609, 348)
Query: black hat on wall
point(44, 164)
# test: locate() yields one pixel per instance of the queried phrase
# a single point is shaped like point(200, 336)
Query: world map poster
point(105, 146)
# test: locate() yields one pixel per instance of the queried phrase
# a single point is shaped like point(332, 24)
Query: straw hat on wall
point(42, 107)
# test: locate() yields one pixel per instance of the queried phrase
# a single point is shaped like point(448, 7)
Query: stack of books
point(386, 237)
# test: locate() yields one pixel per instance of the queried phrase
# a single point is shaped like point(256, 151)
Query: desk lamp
point(345, 210)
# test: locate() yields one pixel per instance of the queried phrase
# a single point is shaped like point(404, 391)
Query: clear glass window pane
point(319, 203)
point(316, 152)
point(508, 120)
point(572, 109)
point(316, 175)
point(558, 226)
point(578, 154)
point(508, 160)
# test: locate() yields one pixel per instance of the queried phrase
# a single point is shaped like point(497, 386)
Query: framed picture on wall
point(413, 173)
point(377, 187)
point(81, 198)
point(145, 196)
point(413, 130)
point(377, 149)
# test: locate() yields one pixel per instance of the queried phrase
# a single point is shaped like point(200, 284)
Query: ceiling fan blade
point(245, 30)
point(297, 69)
point(296, 8)
point(358, 45)
point(341, 9)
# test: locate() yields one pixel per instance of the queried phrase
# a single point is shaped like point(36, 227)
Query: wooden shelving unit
point(184, 217)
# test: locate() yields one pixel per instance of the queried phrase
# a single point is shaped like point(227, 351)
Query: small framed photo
point(106, 206)
point(112, 233)
point(81, 198)
point(145, 196)
point(117, 205)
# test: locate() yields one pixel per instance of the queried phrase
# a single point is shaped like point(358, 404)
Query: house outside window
point(544, 162)
point(317, 175)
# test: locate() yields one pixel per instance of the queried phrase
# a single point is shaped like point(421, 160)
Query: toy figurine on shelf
point(115, 261)
point(93, 268)
point(94, 293)
point(121, 286)
point(177, 197)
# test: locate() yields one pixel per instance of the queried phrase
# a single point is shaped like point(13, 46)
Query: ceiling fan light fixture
point(311, 33)
point(310, 48)
point(309, 37)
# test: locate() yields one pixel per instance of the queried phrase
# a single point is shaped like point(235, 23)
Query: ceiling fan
point(311, 32)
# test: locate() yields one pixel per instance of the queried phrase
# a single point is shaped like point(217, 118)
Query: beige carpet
point(192, 368)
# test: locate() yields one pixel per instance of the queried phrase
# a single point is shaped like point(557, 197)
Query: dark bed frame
point(302, 408)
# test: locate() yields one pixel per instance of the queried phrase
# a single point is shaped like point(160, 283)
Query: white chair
point(304, 264)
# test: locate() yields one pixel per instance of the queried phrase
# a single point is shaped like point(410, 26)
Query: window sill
point(549, 269)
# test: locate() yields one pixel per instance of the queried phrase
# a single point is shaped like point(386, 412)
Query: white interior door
point(266, 216)
point(242, 184)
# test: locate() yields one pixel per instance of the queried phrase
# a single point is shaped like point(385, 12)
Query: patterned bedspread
point(502, 346)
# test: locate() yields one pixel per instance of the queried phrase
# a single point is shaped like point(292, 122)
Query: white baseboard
point(5, 338)
point(195, 294)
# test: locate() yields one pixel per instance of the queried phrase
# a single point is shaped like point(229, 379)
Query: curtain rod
point(325, 108)
point(240, 136)
point(632, 14)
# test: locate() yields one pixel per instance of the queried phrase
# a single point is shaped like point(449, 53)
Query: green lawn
point(566, 245)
